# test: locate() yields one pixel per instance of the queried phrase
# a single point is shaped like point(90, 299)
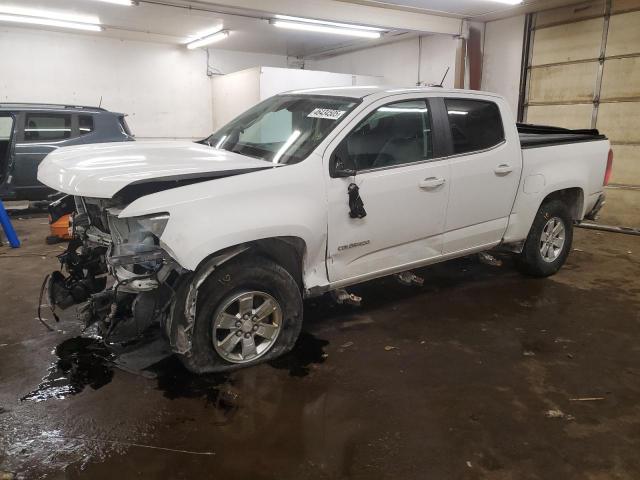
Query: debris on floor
point(586, 399)
point(342, 297)
point(555, 413)
point(388, 348)
point(489, 259)
point(409, 278)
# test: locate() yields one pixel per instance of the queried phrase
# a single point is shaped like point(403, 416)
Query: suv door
point(6, 147)
point(40, 134)
point(404, 186)
point(485, 173)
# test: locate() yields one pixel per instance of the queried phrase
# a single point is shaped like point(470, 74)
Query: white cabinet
point(235, 92)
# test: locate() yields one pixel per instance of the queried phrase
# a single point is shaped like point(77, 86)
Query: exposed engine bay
point(116, 268)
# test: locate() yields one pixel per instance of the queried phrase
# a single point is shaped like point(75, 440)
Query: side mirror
point(341, 165)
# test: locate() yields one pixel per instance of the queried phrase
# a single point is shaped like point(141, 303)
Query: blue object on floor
point(5, 221)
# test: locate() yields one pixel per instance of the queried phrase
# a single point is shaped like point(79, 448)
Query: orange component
point(61, 228)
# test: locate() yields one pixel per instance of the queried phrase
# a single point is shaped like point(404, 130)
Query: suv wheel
point(249, 311)
point(549, 241)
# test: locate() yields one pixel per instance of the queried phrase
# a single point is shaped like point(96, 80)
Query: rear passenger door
point(485, 174)
point(40, 134)
point(404, 184)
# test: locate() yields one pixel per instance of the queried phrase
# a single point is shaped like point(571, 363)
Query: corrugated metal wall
point(584, 72)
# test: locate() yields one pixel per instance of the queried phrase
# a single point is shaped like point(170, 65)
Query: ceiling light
point(324, 22)
point(50, 22)
point(216, 37)
point(508, 2)
point(126, 3)
point(48, 14)
point(313, 27)
point(33, 16)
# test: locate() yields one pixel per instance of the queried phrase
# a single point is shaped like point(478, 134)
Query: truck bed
point(536, 136)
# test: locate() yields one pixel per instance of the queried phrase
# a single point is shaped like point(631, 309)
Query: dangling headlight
point(155, 223)
point(136, 240)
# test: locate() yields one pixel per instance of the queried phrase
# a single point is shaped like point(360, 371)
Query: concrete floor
point(481, 373)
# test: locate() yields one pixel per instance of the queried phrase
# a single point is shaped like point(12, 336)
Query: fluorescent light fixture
point(292, 138)
point(126, 3)
point(333, 24)
point(313, 27)
point(221, 142)
point(50, 23)
point(403, 110)
point(508, 2)
point(208, 39)
point(32, 16)
point(49, 14)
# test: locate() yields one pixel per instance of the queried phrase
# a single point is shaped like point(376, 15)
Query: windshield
point(283, 129)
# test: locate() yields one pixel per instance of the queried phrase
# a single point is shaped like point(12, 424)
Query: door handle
point(431, 182)
point(503, 169)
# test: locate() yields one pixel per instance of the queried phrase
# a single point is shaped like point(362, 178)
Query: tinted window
point(47, 127)
point(6, 128)
point(395, 134)
point(475, 124)
point(85, 124)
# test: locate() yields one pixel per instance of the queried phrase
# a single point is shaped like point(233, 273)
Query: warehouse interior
point(477, 372)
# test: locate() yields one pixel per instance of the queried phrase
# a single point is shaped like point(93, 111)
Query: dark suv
point(29, 131)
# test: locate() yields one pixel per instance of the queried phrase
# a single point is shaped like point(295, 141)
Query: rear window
point(85, 124)
point(475, 124)
point(124, 126)
point(47, 127)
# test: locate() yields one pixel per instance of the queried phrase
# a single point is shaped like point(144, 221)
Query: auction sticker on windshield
point(326, 113)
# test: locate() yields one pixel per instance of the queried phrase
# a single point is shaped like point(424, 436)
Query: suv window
point(47, 127)
point(395, 134)
point(85, 124)
point(475, 124)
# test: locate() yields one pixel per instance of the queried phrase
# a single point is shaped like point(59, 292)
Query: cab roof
point(381, 91)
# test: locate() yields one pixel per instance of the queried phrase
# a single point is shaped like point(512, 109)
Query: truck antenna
point(445, 76)
point(100, 104)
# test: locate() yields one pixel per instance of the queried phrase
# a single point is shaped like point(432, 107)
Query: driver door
point(404, 187)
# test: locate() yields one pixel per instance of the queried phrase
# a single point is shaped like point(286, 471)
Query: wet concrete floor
point(480, 373)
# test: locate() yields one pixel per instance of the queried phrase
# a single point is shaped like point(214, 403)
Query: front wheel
point(249, 311)
point(549, 241)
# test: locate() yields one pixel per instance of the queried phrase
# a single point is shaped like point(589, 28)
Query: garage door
point(584, 72)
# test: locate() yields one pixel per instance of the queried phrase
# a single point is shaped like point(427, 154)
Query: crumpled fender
point(179, 327)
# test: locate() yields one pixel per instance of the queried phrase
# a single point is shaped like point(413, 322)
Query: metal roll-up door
point(583, 71)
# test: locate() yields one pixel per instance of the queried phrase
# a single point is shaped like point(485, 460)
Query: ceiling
point(250, 31)
point(174, 21)
point(480, 10)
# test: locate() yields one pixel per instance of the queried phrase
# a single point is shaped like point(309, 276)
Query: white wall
point(398, 62)
point(503, 58)
point(163, 88)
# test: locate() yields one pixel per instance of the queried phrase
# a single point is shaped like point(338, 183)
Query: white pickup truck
point(309, 192)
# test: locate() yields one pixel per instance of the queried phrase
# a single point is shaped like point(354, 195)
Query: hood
point(102, 170)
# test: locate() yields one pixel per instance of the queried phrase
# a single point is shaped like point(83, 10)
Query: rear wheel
point(249, 311)
point(549, 241)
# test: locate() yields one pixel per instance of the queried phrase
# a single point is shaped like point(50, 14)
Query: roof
point(381, 91)
point(20, 106)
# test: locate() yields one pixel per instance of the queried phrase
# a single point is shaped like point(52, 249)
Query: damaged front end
point(115, 267)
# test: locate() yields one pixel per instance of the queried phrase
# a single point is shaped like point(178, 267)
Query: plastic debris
point(489, 259)
point(388, 348)
point(555, 413)
point(343, 297)
point(409, 278)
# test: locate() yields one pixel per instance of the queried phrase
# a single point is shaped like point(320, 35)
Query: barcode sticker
point(326, 113)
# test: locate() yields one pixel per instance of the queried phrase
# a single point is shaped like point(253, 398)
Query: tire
point(532, 261)
point(226, 289)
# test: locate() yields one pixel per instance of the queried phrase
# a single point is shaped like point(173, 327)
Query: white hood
point(101, 170)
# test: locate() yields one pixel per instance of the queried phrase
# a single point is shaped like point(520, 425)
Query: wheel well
point(285, 251)
point(573, 198)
